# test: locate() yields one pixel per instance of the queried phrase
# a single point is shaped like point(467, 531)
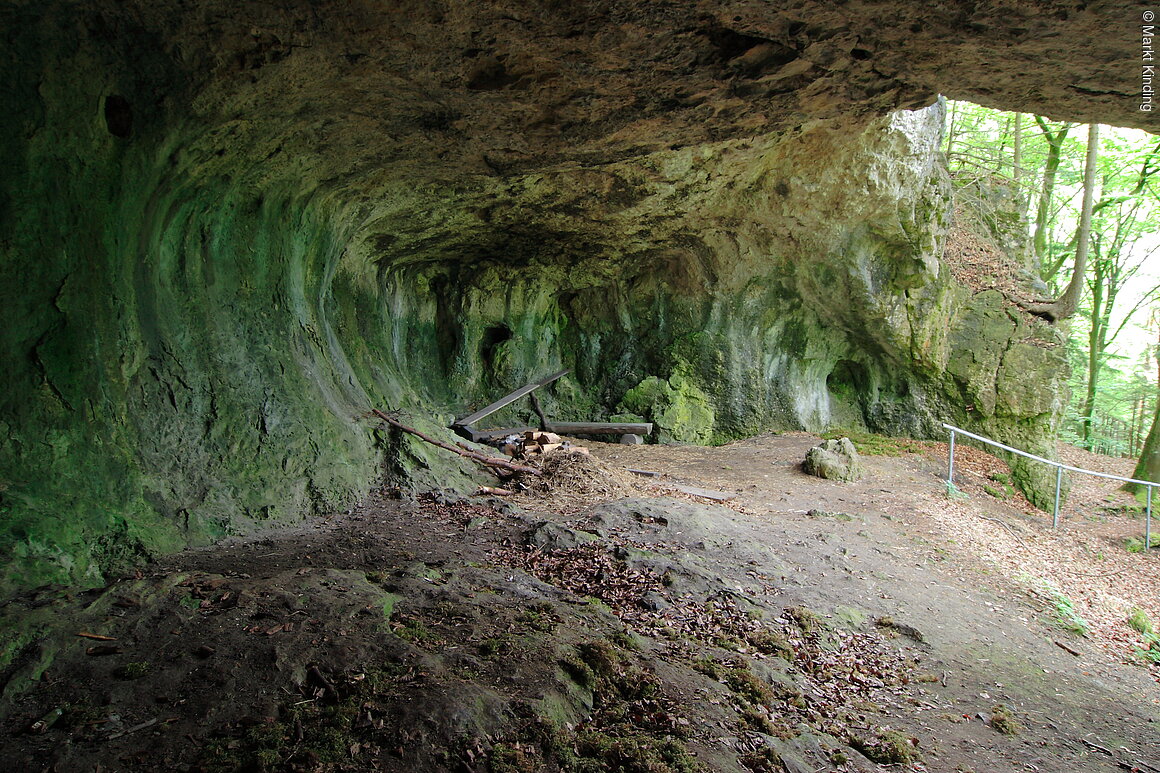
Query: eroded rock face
point(226, 233)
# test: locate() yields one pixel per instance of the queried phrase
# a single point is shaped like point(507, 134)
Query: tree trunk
point(1043, 210)
point(1148, 468)
point(1021, 198)
point(952, 126)
point(1017, 160)
point(1096, 343)
point(1066, 304)
point(1140, 411)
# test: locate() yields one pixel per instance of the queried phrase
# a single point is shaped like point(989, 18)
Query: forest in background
point(1081, 206)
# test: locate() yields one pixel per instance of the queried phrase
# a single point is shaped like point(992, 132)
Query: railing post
point(1058, 483)
point(951, 466)
point(1148, 521)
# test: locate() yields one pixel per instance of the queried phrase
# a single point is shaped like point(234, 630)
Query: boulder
point(552, 536)
point(834, 460)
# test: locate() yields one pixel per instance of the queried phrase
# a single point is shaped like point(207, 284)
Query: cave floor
point(608, 624)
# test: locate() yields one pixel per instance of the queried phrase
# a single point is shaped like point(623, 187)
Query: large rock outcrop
point(226, 232)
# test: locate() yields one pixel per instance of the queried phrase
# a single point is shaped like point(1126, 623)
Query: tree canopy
point(1098, 269)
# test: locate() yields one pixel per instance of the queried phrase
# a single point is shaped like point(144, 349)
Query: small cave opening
point(118, 116)
point(493, 337)
point(848, 379)
point(848, 385)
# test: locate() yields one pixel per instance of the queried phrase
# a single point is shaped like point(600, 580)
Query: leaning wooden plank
point(598, 428)
point(509, 399)
point(705, 493)
point(489, 461)
point(644, 473)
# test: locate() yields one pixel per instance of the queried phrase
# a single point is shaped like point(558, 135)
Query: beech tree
point(1040, 238)
point(1113, 266)
point(1148, 467)
point(1066, 304)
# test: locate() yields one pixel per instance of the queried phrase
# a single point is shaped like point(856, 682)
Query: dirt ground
point(606, 621)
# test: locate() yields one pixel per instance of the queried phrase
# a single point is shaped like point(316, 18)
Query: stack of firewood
point(537, 443)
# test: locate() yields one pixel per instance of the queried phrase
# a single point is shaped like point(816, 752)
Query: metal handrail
point(1059, 468)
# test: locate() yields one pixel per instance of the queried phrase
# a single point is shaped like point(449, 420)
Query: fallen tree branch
point(539, 411)
point(489, 461)
point(1136, 766)
point(1008, 528)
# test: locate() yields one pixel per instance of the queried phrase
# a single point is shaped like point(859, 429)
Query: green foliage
point(1004, 490)
point(1112, 386)
point(1134, 545)
point(1004, 721)
point(413, 630)
point(997, 493)
point(540, 618)
point(1067, 618)
point(631, 753)
point(1140, 621)
point(1065, 614)
point(1150, 652)
point(803, 618)
point(615, 738)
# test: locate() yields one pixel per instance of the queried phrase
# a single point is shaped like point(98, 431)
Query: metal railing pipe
point(1059, 468)
point(951, 466)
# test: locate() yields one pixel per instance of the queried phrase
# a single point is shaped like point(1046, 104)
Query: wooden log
point(484, 435)
point(509, 399)
point(489, 461)
point(598, 428)
point(705, 493)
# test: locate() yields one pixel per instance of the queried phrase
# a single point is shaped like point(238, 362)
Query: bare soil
point(605, 621)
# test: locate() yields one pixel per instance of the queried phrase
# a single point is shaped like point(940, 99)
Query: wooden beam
point(705, 493)
point(597, 428)
point(478, 435)
point(509, 399)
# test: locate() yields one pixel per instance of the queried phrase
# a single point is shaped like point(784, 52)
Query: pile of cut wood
point(536, 443)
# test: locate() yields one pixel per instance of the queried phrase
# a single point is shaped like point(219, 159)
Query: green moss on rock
point(681, 411)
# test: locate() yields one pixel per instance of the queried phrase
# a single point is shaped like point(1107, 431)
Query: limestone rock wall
point(226, 233)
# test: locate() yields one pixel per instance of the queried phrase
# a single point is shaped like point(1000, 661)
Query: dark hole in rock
point(848, 385)
point(847, 379)
point(489, 74)
point(731, 44)
point(860, 54)
point(488, 346)
point(118, 116)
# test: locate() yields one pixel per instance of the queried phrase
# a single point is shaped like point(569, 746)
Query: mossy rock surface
point(835, 460)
